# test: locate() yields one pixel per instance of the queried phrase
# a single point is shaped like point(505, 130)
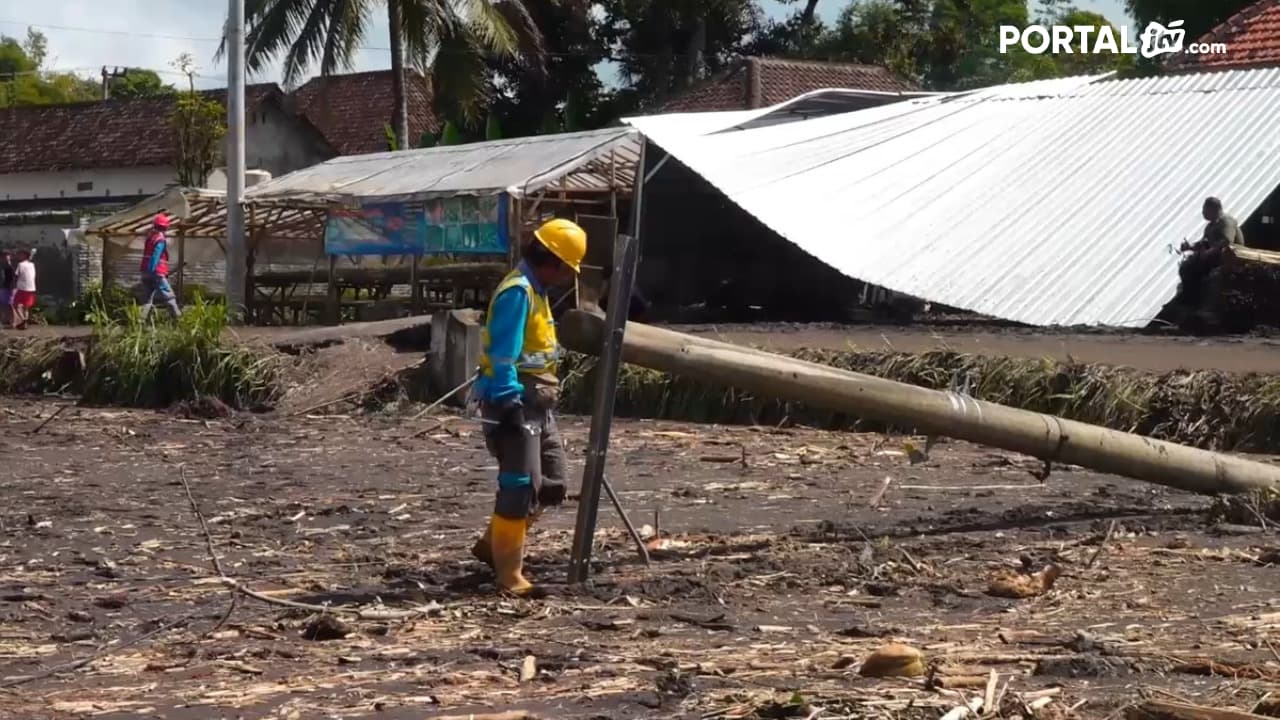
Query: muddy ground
point(1158, 353)
point(773, 576)
point(1143, 350)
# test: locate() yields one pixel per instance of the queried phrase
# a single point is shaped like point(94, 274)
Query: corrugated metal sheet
point(599, 159)
point(1057, 202)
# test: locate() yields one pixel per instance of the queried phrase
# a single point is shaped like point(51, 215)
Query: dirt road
point(774, 580)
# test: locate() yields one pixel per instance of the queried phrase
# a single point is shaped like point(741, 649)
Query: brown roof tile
point(1252, 37)
point(111, 133)
point(352, 111)
point(781, 80)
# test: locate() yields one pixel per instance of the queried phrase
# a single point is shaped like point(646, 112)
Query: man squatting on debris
point(1220, 232)
point(155, 269)
point(518, 390)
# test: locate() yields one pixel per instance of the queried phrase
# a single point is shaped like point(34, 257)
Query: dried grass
point(27, 365)
point(1215, 410)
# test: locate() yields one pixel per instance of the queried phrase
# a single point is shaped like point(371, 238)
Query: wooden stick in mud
point(1163, 710)
point(932, 412)
point(511, 715)
point(236, 586)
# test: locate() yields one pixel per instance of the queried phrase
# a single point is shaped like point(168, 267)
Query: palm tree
point(449, 41)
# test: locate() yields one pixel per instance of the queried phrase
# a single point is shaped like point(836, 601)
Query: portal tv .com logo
point(1156, 39)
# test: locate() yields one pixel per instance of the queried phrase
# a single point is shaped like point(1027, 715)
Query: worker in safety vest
point(155, 269)
point(517, 391)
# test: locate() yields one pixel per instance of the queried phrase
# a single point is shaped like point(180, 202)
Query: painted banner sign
point(375, 229)
point(466, 224)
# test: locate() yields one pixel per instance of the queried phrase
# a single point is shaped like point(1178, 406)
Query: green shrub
point(155, 364)
point(110, 299)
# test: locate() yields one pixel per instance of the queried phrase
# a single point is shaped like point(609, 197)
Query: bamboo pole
point(935, 412)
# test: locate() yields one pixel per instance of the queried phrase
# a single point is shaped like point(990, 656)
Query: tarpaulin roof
point(1057, 202)
point(596, 160)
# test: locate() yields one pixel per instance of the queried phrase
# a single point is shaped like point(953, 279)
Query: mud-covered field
point(781, 562)
point(1156, 352)
point(1142, 350)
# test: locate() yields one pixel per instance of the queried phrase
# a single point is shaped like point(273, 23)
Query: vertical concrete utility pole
point(235, 160)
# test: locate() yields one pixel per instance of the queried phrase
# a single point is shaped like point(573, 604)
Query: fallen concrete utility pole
point(935, 412)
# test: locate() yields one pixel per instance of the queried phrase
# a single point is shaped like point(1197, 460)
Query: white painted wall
point(274, 141)
point(279, 143)
point(99, 183)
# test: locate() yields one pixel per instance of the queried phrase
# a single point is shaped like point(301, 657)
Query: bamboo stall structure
point(934, 412)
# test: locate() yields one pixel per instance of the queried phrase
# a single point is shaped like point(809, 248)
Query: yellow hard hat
point(565, 239)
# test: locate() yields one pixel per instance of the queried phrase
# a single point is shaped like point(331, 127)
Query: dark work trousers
point(535, 450)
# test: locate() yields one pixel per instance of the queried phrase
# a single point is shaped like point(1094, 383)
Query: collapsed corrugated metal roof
point(1056, 202)
point(599, 159)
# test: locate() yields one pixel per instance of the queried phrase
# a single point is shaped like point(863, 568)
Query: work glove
point(546, 396)
point(512, 416)
point(551, 493)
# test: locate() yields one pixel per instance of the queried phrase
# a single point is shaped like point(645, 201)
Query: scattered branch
point(105, 652)
point(1111, 530)
point(49, 419)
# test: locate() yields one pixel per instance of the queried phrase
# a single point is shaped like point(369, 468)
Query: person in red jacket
point(155, 269)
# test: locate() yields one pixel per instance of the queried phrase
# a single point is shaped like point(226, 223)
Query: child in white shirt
point(24, 295)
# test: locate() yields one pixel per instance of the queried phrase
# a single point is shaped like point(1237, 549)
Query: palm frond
point(423, 23)
point(270, 25)
point(489, 26)
point(530, 43)
point(308, 43)
point(459, 74)
point(346, 31)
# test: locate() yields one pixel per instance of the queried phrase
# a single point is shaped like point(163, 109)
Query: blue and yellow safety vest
point(540, 351)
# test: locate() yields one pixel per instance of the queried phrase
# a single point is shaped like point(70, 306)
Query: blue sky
point(84, 35)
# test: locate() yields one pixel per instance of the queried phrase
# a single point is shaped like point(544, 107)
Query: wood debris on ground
point(777, 574)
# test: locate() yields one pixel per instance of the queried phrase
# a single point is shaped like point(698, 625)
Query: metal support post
point(235, 271)
point(641, 549)
point(626, 255)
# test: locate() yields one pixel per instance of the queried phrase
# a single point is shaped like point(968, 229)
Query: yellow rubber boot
point(508, 554)
point(483, 549)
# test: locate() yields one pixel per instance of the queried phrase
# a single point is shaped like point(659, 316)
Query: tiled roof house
point(111, 133)
point(1251, 36)
point(114, 151)
point(760, 82)
point(353, 111)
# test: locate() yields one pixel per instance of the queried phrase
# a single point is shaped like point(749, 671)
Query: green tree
point(524, 95)
point(24, 81)
point(492, 128)
point(36, 46)
point(450, 134)
point(662, 47)
point(1198, 16)
point(447, 40)
point(14, 58)
point(1087, 64)
point(199, 124)
point(954, 44)
point(138, 83)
